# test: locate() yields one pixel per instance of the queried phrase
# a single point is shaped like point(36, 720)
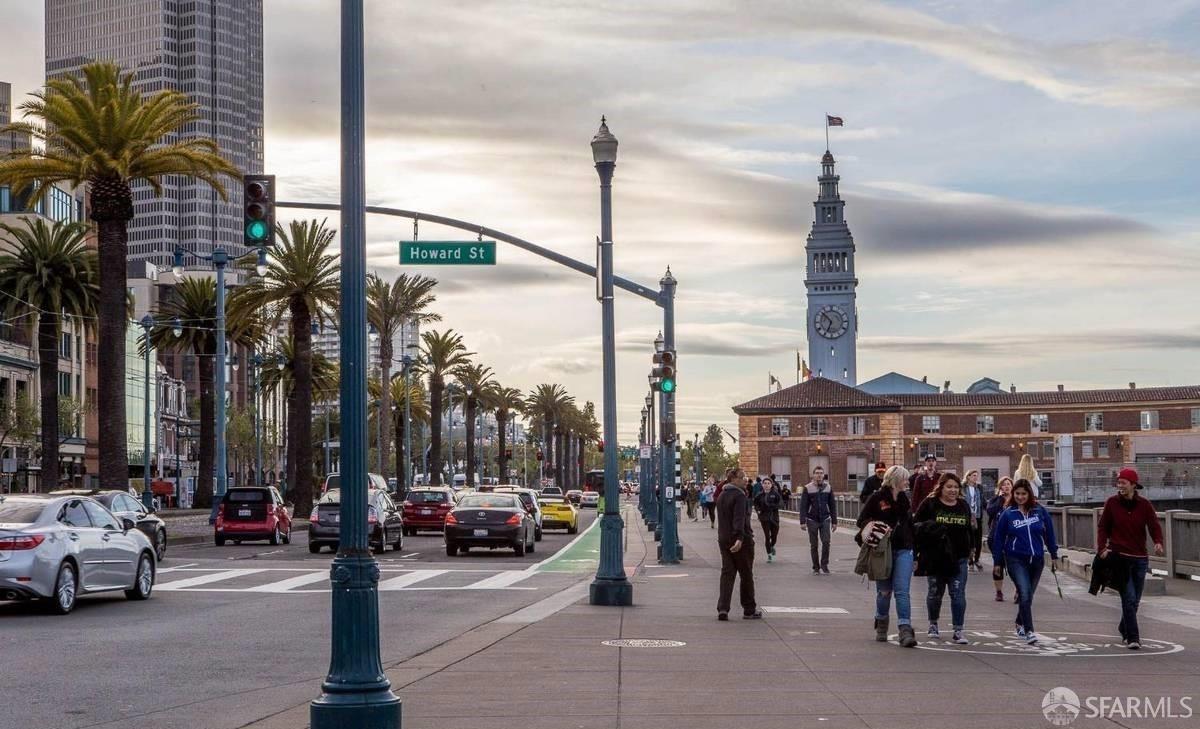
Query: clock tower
point(831, 284)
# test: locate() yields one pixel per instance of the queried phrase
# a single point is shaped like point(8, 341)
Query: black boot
point(908, 639)
point(881, 629)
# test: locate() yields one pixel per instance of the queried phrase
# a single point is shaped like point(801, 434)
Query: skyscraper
point(210, 50)
point(832, 312)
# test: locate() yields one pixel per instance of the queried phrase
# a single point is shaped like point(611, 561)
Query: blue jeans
point(1131, 596)
point(958, 595)
point(1025, 574)
point(902, 569)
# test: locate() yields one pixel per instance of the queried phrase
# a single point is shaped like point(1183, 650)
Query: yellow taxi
point(558, 513)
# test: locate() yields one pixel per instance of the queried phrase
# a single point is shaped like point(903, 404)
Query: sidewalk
point(812, 662)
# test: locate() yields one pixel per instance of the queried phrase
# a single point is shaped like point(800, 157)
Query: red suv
point(427, 509)
point(253, 512)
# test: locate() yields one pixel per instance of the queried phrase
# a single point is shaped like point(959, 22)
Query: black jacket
point(1111, 572)
point(893, 511)
point(943, 536)
point(816, 503)
point(871, 486)
point(733, 517)
point(767, 505)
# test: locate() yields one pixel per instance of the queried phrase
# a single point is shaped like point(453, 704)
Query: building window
point(1149, 420)
point(779, 427)
point(931, 424)
point(1047, 449)
point(856, 425)
point(818, 426)
point(1093, 422)
point(939, 451)
point(1102, 449)
point(65, 347)
point(985, 424)
point(1032, 448)
point(1086, 447)
point(1039, 423)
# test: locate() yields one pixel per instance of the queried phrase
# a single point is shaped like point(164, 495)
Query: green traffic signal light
point(256, 230)
point(667, 385)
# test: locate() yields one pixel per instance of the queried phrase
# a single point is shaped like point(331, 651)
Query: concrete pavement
point(812, 662)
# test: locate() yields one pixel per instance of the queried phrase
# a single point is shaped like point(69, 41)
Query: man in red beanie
point(873, 483)
point(1124, 523)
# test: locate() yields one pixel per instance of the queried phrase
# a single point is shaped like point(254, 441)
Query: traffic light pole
point(671, 551)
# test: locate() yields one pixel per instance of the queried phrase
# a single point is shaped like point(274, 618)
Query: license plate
point(243, 512)
point(481, 532)
point(426, 512)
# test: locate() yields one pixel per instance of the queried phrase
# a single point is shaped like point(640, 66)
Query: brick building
point(844, 429)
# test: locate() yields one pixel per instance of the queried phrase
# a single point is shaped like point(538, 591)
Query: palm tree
point(587, 430)
point(301, 281)
point(548, 403)
point(506, 402)
point(414, 391)
point(191, 310)
point(51, 273)
point(391, 307)
point(474, 379)
point(443, 354)
point(325, 379)
point(98, 129)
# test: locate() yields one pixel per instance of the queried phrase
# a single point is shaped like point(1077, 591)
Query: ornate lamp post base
point(611, 587)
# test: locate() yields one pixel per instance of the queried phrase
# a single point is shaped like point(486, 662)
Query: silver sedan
point(60, 547)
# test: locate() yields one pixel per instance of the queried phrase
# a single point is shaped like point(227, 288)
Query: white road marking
point(406, 556)
point(504, 579)
point(289, 583)
point(543, 609)
point(807, 610)
point(399, 583)
point(164, 570)
point(205, 579)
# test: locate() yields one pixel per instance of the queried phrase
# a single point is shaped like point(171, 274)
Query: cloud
point(1034, 343)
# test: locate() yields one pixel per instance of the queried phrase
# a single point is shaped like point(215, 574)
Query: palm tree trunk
point(501, 421)
point(399, 442)
point(113, 243)
point(48, 378)
point(559, 472)
point(472, 406)
point(581, 469)
point(204, 479)
point(385, 385)
point(302, 494)
point(435, 430)
point(289, 437)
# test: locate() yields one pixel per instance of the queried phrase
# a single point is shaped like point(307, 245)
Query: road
point(236, 633)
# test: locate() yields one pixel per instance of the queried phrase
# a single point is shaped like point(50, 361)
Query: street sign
point(448, 253)
point(646, 452)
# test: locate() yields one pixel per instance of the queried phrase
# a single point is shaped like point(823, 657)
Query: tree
point(443, 353)
point(325, 377)
point(507, 402)
point(390, 308)
point(49, 274)
point(414, 391)
point(193, 304)
point(19, 423)
point(97, 129)
point(548, 402)
point(302, 281)
point(474, 379)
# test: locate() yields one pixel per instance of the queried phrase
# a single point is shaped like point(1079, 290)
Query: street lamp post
point(610, 587)
point(408, 363)
point(356, 692)
point(672, 550)
point(652, 498)
point(147, 324)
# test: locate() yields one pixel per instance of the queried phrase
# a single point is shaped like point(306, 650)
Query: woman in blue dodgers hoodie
point(1022, 529)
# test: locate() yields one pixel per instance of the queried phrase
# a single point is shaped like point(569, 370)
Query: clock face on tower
point(831, 321)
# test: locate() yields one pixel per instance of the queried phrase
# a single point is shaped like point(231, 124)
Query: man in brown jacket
point(735, 539)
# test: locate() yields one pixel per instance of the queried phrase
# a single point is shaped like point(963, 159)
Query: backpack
point(875, 558)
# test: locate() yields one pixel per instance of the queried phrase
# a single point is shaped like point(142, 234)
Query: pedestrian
point(709, 501)
point(995, 506)
point(692, 498)
point(818, 517)
point(873, 482)
point(942, 528)
point(972, 493)
point(758, 487)
point(1121, 532)
point(1025, 470)
point(767, 504)
point(924, 481)
point(890, 506)
point(735, 539)
point(1024, 527)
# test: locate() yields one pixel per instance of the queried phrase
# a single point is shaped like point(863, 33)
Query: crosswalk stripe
point(504, 579)
point(399, 583)
point(206, 579)
point(289, 583)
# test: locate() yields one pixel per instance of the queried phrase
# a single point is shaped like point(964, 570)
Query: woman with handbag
point(888, 510)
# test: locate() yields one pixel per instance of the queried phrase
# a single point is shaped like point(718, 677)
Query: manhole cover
point(644, 643)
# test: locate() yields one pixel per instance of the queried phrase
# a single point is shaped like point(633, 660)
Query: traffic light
point(664, 371)
point(258, 210)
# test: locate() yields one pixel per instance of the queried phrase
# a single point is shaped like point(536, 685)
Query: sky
point(1020, 178)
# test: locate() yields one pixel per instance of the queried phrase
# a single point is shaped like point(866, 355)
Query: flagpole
point(826, 131)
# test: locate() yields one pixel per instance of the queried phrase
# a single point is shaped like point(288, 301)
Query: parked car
point(57, 548)
point(253, 512)
point(589, 499)
point(574, 496)
point(426, 509)
point(374, 481)
point(558, 513)
point(384, 521)
point(124, 506)
point(529, 498)
point(490, 520)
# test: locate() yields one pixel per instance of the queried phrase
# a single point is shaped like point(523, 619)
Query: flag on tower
point(805, 372)
point(833, 121)
point(773, 380)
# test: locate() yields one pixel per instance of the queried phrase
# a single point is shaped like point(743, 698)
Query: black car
point(490, 520)
point(123, 505)
point(384, 521)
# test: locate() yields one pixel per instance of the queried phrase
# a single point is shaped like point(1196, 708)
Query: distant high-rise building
point(9, 141)
point(210, 50)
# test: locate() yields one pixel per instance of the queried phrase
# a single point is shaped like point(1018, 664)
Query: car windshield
point(245, 496)
point(428, 497)
point(552, 491)
point(488, 501)
point(20, 512)
point(331, 496)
